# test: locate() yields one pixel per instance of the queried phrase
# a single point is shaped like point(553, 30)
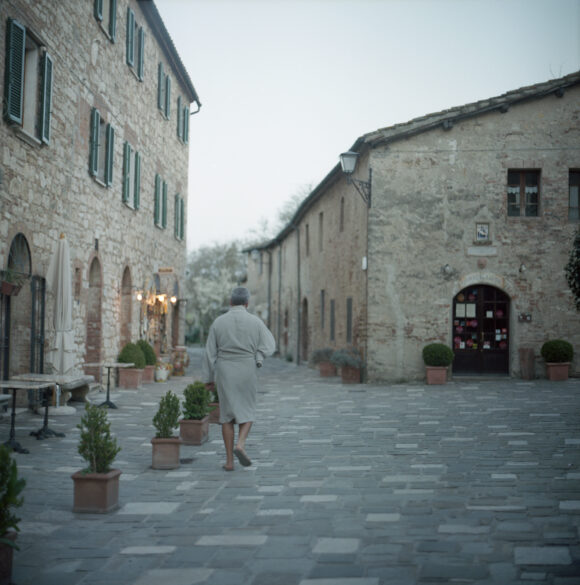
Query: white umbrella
point(59, 281)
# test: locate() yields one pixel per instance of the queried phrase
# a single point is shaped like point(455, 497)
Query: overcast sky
point(287, 85)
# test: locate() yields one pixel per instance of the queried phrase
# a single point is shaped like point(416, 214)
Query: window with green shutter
point(176, 220)
point(101, 149)
point(179, 119)
point(164, 206)
point(105, 12)
point(27, 97)
point(181, 219)
point(135, 45)
point(167, 97)
point(157, 207)
point(131, 176)
point(130, 37)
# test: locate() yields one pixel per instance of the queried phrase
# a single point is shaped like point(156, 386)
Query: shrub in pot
point(557, 354)
point(131, 377)
point(165, 444)
point(321, 358)
point(96, 488)
point(350, 362)
point(11, 487)
point(437, 357)
point(150, 360)
point(194, 426)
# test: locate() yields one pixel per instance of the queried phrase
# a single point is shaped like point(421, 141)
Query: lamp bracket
point(363, 187)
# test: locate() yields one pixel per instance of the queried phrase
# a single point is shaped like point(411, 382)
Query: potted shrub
point(165, 444)
point(558, 355)
point(321, 358)
point(214, 407)
point(162, 371)
point(437, 357)
point(10, 488)
point(96, 488)
point(131, 377)
point(194, 426)
point(150, 360)
point(350, 362)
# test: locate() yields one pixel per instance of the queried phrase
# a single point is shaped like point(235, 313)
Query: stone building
point(464, 225)
point(94, 145)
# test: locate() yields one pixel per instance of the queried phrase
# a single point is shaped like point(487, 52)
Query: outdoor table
point(15, 385)
point(109, 366)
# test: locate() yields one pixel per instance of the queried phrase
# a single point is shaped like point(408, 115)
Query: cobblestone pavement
point(470, 482)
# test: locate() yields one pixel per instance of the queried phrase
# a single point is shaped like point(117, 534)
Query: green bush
point(167, 417)
point(148, 352)
point(10, 489)
point(437, 354)
point(557, 351)
point(96, 446)
point(350, 357)
point(196, 399)
point(132, 354)
point(321, 355)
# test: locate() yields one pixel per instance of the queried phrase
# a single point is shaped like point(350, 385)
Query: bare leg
point(244, 431)
point(228, 436)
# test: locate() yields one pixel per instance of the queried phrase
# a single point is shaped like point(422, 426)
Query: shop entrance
point(481, 331)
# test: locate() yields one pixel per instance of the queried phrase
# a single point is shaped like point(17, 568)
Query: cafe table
point(14, 386)
point(109, 365)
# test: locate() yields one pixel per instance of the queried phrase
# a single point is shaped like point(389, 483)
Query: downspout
point(299, 295)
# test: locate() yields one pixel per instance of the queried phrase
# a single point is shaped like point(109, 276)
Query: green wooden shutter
point(160, 87)
point(141, 49)
point(157, 209)
point(137, 191)
point(164, 206)
point(113, 20)
point(181, 218)
point(98, 9)
point(176, 216)
point(126, 171)
point(110, 147)
point(167, 97)
point(94, 143)
point(179, 114)
point(14, 77)
point(130, 37)
point(186, 124)
point(46, 98)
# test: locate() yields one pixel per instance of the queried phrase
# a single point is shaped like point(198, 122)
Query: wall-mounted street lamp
point(348, 163)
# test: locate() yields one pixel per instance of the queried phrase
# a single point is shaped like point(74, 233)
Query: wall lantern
point(173, 299)
point(348, 164)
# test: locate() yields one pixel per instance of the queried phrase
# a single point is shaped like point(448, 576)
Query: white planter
point(161, 375)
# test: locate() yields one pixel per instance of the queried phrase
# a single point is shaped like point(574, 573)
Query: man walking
point(236, 347)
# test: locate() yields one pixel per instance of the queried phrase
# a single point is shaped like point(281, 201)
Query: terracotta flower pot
point(557, 371)
point(194, 432)
point(148, 375)
point(350, 375)
point(165, 453)
point(327, 369)
point(6, 556)
point(96, 493)
point(130, 377)
point(436, 374)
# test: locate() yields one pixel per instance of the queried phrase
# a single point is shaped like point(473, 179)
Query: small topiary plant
point(437, 355)
point(167, 417)
point(96, 446)
point(132, 354)
point(196, 399)
point(350, 357)
point(557, 351)
point(148, 352)
point(10, 488)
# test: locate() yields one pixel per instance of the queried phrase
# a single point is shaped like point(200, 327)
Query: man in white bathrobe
point(236, 347)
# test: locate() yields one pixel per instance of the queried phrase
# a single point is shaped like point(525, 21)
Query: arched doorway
point(304, 330)
point(94, 322)
point(126, 307)
point(481, 331)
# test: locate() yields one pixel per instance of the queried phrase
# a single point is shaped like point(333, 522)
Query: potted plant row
point(96, 488)
point(437, 357)
point(194, 426)
point(131, 377)
point(150, 360)
point(321, 358)
point(558, 355)
point(165, 444)
point(350, 362)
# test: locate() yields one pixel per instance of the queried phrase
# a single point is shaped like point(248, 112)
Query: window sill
point(25, 136)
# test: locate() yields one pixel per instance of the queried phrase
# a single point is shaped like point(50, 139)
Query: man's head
point(240, 296)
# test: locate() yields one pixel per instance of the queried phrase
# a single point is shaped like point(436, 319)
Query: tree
point(572, 270)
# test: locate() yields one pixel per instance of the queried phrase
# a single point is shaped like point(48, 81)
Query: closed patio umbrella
point(59, 281)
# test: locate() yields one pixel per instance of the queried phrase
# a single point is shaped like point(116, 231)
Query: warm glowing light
point(173, 299)
point(139, 296)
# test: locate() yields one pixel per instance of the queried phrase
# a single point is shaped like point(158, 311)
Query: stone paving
point(471, 482)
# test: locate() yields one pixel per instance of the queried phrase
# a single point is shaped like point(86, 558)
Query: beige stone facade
point(470, 225)
point(106, 165)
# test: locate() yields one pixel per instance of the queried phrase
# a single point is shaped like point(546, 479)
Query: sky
point(287, 85)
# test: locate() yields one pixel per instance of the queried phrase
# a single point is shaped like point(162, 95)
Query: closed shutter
point(186, 124)
point(126, 171)
point(176, 221)
point(46, 103)
point(14, 84)
point(137, 192)
point(167, 97)
point(181, 218)
point(130, 37)
point(109, 155)
point(94, 144)
point(160, 88)
point(157, 211)
point(113, 20)
point(98, 9)
point(164, 206)
point(179, 114)
point(141, 64)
